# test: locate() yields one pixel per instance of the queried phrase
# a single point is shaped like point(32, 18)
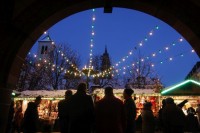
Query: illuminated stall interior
point(140, 96)
point(188, 89)
point(48, 108)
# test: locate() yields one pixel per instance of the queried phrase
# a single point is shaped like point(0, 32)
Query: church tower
point(105, 60)
point(45, 47)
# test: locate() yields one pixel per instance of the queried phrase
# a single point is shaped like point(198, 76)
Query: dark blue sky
point(122, 31)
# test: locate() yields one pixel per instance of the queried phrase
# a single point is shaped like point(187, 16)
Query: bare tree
point(141, 73)
point(65, 61)
point(49, 72)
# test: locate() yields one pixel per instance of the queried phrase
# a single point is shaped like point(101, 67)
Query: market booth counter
point(48, 108)
point(188, 89)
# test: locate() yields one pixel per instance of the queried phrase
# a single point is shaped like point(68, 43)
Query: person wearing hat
point(148, 120)
point(31, 116)
point(130, 109)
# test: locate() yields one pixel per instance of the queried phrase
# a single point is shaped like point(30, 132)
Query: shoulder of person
point(118, 100)
point(31, 104)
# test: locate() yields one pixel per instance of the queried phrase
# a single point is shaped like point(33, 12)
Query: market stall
point(48, 108)
point(188, 89)
point(140, 96)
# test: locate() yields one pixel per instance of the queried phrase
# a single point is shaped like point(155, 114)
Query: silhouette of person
point(10, 117)
point(198, 113)
point(148, 120)
point(18, 120)
point(173, 117)
point(191, 124)
point(130, 109)
point(31, 116)
point(81, 111)
point(160, 120)
point(181, 104)
point(110, 114)
point(63, 112)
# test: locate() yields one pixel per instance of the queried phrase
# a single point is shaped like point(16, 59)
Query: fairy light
point(159, 62)
point(123, 59)
point(47, 62)
point(181, 39)
point(140, 44)
point(92, 41)
point(166, 48)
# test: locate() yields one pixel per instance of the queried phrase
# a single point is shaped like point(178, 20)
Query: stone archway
point(24, 21)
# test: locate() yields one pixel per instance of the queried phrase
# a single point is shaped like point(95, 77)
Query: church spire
point(106, 52)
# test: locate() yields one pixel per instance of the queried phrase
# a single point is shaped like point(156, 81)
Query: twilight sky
point(124, 31)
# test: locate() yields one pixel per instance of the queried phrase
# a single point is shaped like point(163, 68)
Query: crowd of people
point(79, 113)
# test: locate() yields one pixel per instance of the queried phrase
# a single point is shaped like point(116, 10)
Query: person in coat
point(148, 119)
point(31, 117)
point(81, 111)
point(173, 117)
point(63, 112)
point(160, 120)
point(191, 124)
point(110, 114)
point(130, 109)
point(18, 120)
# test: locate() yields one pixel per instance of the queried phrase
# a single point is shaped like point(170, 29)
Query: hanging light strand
point(153, 64)
point(92, 39)
point(140, 44)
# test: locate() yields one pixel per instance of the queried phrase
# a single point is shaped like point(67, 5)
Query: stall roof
point(186, 88)
point(60, 93)
point(136, 91)
point(43, 93)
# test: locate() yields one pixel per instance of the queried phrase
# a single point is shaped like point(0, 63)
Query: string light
point(140, 44)
point(117, 64)
point(92, 41)
point(153, 64)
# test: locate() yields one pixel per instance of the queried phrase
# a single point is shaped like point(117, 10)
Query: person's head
point(38, 100)
point(68, 94)
point(127, 93)
point(82, 87)
point(169, 100)
point(191, 110)
point(108, 91)
point(147, 105)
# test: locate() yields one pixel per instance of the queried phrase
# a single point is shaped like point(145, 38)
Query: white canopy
point(61, 93)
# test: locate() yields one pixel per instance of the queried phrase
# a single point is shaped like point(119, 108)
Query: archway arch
point(24, 21)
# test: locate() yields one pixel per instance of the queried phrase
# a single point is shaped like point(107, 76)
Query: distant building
point(45, 47)
point(105, 60)
point(195, 72)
